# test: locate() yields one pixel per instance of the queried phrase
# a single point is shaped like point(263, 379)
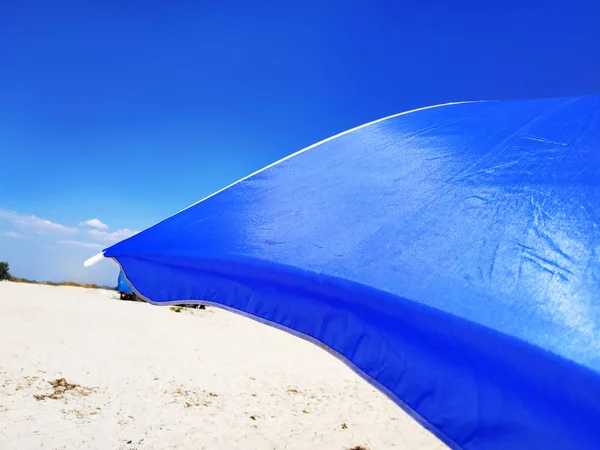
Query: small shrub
point(4, 272)
point(21, 280)
point(68, 283)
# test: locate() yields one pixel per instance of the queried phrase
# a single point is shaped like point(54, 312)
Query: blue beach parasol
point(450, 255)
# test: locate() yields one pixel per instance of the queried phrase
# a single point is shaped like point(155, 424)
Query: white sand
point(154, 379)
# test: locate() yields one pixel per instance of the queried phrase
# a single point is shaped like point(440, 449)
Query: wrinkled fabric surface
point(449, 255)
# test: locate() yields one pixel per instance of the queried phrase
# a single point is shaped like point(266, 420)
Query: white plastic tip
point(94, 260)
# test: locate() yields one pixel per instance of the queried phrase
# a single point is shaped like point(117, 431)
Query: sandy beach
point(80, 369)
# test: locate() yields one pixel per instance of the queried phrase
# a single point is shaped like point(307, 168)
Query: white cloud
point(14, 235)
point(82, 244)
point(115, 236)
point(95, 223)
point(35, 224)
point(45, 259)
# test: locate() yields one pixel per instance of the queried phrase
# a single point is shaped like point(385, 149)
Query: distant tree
point(4, 273)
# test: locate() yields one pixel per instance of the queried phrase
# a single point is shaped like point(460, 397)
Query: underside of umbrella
point(450, 255)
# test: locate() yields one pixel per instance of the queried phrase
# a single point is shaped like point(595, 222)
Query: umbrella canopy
point(122, 285)
point(450, 255)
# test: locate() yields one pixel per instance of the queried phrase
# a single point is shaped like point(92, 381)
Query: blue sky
point(126, 112)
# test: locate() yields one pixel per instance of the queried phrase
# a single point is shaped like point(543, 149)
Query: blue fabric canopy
point(450, 255)
point(122, 285)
